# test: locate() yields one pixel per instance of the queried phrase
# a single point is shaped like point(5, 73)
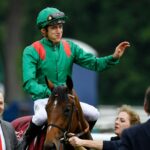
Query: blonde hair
point(134, 117)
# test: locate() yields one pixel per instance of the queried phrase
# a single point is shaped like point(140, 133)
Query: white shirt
point(2, 138)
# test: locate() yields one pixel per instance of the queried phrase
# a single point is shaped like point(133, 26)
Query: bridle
point(64, 138)
point(65, 130)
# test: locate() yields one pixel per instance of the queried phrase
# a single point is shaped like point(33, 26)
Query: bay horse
point(64, 116)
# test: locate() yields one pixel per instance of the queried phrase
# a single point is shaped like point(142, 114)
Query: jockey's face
point(54, 33)
point(1, 104)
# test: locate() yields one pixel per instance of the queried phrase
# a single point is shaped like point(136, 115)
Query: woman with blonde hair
point(126, 117)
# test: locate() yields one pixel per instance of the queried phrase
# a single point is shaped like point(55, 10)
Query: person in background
point(126, 118)
point(138, 137)
point(54, 57)
point(8, 139)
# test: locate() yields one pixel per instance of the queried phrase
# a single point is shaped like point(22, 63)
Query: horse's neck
point(82, 119)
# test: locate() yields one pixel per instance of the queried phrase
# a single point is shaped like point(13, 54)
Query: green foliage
point(102, 24)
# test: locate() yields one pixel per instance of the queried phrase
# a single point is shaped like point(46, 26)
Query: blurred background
point(101, 25)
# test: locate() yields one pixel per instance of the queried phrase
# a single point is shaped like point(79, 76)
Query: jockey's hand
point(120, 49)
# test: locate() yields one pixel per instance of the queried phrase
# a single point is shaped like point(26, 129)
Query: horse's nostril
point(49, 146)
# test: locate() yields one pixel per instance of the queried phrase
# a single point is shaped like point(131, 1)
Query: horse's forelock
point(60, 92)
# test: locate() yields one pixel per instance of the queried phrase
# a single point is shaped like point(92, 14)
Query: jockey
point(53, 57)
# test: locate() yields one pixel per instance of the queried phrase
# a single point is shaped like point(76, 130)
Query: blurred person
point(54, 57)
point(126, 118)
point(138, 137)
point(8, 139)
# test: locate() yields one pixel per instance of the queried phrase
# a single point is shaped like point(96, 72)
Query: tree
point(11, 50)
point(101, 24)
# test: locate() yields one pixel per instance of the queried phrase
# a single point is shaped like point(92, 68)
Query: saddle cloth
point(21, 124)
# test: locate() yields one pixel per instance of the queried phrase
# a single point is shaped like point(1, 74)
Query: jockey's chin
point(56, 40)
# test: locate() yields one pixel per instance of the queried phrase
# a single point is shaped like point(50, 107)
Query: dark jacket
point(136, 138)
point(111, 145)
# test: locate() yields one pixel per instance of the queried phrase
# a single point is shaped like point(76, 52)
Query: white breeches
point(40, 115)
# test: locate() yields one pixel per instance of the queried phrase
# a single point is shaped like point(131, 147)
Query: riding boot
point(30, 134)
point(91, 124)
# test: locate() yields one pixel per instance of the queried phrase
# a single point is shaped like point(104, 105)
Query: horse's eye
point(67, 111)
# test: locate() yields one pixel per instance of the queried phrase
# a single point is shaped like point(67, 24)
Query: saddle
point(21, 124)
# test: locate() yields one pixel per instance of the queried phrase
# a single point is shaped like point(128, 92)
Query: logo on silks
point(19, 134)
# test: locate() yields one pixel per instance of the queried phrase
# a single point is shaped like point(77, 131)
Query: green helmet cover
point(50, 16)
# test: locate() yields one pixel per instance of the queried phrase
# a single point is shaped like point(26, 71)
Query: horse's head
point(62, 114)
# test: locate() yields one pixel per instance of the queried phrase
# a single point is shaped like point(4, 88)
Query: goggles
point(53, 19)
point(56, 16)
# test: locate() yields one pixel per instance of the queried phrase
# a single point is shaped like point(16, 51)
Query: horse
point(64, 116)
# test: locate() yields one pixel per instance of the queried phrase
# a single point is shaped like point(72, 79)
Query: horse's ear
point(49, 83)
point(69, 83)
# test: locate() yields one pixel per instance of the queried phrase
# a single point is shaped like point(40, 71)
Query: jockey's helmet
point(50, 16)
